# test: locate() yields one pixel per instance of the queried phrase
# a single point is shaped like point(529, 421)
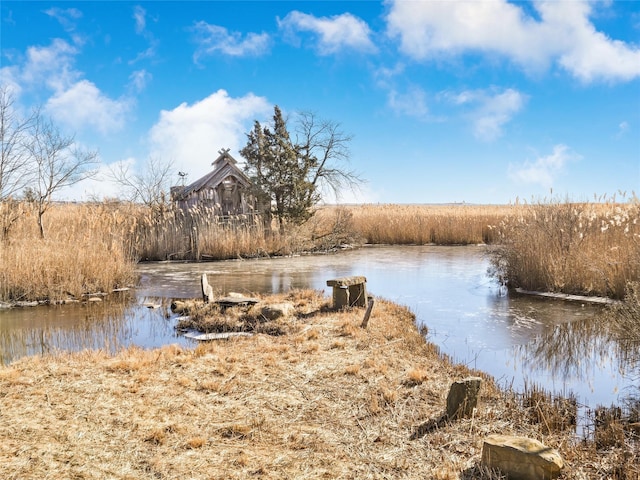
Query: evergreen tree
point(287, 176)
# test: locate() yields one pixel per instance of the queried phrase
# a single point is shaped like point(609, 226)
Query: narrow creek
point(557, 344)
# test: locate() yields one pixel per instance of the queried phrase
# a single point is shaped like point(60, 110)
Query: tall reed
point(563, 246)
point(83, 251)
point(585, 248)
point(197, 234)
point(625, 318)
point(424, 224)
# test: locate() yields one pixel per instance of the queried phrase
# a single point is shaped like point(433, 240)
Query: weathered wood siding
point(226, 190)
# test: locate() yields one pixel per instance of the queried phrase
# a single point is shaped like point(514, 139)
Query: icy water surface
point(557, 344)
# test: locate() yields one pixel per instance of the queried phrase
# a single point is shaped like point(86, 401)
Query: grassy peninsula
point(324, 398)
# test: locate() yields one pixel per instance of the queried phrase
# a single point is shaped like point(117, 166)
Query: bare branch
point(59, 163)
point(149, 186)
point(326, 150)
point(14, 156)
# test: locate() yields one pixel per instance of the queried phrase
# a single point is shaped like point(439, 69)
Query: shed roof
point(223, 167)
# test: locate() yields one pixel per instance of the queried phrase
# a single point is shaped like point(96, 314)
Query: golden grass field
point(578, 248)
point(85, 251)
point(457, 224)
point(324, 399)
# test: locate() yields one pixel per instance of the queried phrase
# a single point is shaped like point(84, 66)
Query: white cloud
point(140, 16)
point(65, 16)
point(544, 170)
point(623, 128)
point(138, 80)
point(384, 75)
point(83, 104)
point(495, 112)
point(490, 110)
point(99, 187)
point(213, 38)
point(588, 54)
point(75, 102)
point(192, 135)
point(51, 65)
point(146, 54)
point(334, 33)
point(412, 103)
point(429, 30)
point(9, 79)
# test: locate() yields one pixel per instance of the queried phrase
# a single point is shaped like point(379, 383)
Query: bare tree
point(324, 150)
point(149, 186)
point(58, 162)
point(14, 158)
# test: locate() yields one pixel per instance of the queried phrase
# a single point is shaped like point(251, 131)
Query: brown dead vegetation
point(559, 246)
point(324, 399)
point(574, 248)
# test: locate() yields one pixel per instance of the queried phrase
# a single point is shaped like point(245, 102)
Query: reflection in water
point(108, 325)
point(578, 349)
point(571, 350)
point(555, 344)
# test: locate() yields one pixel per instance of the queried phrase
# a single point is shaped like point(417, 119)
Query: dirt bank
point(323, 398)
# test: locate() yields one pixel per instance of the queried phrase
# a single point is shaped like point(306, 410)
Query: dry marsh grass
point(582, 248)
point(263, 406)
point(83, 252)
point(424, 224)
point(551, 245)
point(624, 319)
point(626, 326)
point(198, 235)
point(576, 248)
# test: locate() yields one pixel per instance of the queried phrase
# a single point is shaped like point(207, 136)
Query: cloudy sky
point(447, 101)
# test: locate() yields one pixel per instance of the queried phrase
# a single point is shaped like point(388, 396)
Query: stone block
point(349, 291)
point(521, 458)
point(463, 397)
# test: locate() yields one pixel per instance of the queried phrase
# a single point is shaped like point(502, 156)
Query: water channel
point(520, 340)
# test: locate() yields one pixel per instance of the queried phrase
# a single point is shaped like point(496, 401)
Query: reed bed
point(578, 248)
point(456, 224)
point(199, 234)
point(625, 318)
point(83, 252)
point(575, 248)
point(324, 398)
point(551, 245)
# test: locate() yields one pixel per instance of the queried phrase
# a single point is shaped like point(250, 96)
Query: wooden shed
point(226, 189)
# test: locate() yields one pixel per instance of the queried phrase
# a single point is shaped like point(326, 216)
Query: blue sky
point(447, 101)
